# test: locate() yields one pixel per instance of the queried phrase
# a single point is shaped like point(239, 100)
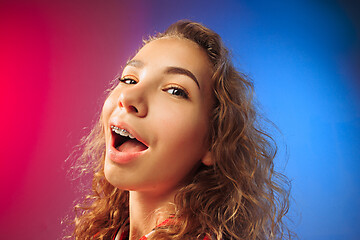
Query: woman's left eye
point(177, 92)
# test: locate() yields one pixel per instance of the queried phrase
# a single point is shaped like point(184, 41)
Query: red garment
point(125, 234)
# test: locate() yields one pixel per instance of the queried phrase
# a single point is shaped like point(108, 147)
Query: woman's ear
point(207, 159)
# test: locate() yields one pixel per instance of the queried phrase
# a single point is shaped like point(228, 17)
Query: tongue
point(132, 145)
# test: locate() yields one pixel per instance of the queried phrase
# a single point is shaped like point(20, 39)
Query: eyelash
point(124, 79)
point(176, 91)
point(182, 92)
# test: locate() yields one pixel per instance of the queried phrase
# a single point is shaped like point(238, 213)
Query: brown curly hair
point(240, 196)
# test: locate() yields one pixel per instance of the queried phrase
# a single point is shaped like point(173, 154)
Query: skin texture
point(169, 111)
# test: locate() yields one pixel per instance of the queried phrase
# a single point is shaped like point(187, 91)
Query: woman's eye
point(178, 92)
point(127, 80)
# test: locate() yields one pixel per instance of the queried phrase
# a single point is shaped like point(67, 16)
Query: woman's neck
point(147, 211)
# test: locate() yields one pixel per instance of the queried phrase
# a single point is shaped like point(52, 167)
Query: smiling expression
point(163, 100)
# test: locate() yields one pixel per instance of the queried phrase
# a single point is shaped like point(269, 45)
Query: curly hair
point(240, 196)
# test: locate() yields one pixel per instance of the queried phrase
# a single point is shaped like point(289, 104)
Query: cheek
point(107, 110)
point(185, 131)
point(108, 107)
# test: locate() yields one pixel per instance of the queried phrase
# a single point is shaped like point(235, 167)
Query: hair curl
point(240, 196)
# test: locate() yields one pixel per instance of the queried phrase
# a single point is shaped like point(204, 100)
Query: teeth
point(122, 132)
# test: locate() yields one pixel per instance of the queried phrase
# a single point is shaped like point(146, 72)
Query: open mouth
point(123, 141)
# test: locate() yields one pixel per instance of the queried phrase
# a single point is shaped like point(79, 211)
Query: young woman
point(178, 152)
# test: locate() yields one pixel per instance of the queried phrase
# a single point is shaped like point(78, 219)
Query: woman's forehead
point(177, 52)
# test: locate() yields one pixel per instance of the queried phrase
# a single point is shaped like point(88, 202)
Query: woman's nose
point(132, 99)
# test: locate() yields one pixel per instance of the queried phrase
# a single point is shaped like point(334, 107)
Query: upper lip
point(130, 130)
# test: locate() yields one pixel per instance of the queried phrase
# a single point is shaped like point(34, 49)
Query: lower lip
point(122, 157)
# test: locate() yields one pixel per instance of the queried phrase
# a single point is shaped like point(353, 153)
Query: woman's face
point(163, 99)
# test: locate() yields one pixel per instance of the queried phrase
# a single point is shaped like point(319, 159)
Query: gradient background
point(57, 58)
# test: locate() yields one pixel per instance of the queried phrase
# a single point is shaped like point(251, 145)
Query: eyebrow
point(135, 63)
point(168, 70)
point(182, 71)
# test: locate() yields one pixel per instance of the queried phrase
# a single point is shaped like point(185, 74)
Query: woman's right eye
point(127, 80)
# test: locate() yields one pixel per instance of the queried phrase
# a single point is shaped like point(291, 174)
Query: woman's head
point(192, 114)
point(164, 99)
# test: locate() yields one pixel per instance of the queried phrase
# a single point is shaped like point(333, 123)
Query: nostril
point(134, 109)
